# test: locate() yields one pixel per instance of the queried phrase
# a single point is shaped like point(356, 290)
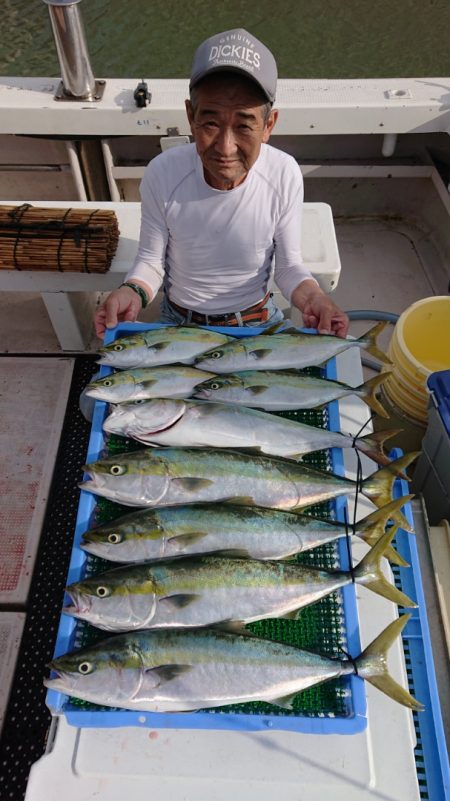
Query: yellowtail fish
point(246, 531)
point(174, 381)
point(204, 424)
point(276, 391)
point(185, 670)
point(158, 346)
point(285, 351)
point(205, 590)
point(175, 476)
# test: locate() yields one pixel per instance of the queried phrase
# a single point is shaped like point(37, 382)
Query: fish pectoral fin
point(257, 389)
point(239, 553)
point(165, 673)
point(285, 702)
point(158, 345)
point(233, 627)
point(241, 500)
point(261, 352)
point(180, 601)
point(191, 484)
point(182, 541)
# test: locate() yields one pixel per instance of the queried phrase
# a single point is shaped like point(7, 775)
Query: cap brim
point(229, 68)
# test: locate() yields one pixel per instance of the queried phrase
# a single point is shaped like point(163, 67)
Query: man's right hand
point(121, 305)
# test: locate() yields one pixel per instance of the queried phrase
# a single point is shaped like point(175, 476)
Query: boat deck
point(386, 265)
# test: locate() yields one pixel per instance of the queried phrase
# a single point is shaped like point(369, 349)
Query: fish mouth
point(199, 389)
point(94, 392)
point(80, 604)
point(58, 681)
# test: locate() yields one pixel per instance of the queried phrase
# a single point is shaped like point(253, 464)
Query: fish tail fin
point(378, 520)
point(368, 572)
point(372, 528)
point(367, 393)
point(378, 486)
point(372, 665)
point(372, 446)
point(369, 342)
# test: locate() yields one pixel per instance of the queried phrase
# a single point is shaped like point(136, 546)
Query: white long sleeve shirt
point(212, 248)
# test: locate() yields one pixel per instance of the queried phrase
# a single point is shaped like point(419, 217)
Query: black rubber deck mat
point(27, 719)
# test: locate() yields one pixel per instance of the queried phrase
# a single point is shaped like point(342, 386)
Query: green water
point(310, 38)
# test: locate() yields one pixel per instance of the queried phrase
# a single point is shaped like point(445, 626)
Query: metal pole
point(78, 82)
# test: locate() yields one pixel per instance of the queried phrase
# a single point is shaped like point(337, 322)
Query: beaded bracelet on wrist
point(139, 290)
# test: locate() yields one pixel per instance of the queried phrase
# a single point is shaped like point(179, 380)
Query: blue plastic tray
point(354, 720)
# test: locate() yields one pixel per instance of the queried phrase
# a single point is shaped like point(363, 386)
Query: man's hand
point(319, 311)
point(121, 305)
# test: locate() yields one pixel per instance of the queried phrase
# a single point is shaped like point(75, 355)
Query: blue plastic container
point(432, 473)
point(354, 720)
point(439, 386)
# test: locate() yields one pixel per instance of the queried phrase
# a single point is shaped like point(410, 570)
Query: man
point(215, 213)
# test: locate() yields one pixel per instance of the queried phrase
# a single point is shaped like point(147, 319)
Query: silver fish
point(175, 476)
point(178, 671)
point(175, 381)
point(158, 346)
point(285, 351)
point(253, 532)
point(275, 390)
point(204, 424)
point(203, 591)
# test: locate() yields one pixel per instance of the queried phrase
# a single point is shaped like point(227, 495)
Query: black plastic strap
point(350, 659)
point(62, 223)
point(86, 241)
point(17, 215)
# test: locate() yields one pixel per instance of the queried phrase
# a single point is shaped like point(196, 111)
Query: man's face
point(228, 127)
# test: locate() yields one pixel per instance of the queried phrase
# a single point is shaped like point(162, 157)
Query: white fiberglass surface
point(33, 398)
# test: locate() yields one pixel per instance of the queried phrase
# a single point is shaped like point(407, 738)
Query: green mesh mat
point(319, 628)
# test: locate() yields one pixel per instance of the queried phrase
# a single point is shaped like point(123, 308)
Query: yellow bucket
point(420, 345)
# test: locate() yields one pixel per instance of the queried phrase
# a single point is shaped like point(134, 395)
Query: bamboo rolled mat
point(73, 240)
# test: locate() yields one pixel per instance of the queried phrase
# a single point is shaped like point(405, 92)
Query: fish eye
point(103, 592)
point(137, 402)
point(118, 347)
point(117, 470)
point(85, 667)
point(114, 538)
point(216, 354)
point(107, 382)
point(214, 385)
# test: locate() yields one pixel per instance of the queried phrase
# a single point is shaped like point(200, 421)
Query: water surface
point(310, 38)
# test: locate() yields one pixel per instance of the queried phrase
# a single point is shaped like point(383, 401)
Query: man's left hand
point(319, 311)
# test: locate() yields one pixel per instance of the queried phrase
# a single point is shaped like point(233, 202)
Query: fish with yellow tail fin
point(203, 424)
point(176, 476)
point(162, 345)
point(185, 670)
point(247, 531)
point(278, 390)
point(207, 590)
point(285, 351)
